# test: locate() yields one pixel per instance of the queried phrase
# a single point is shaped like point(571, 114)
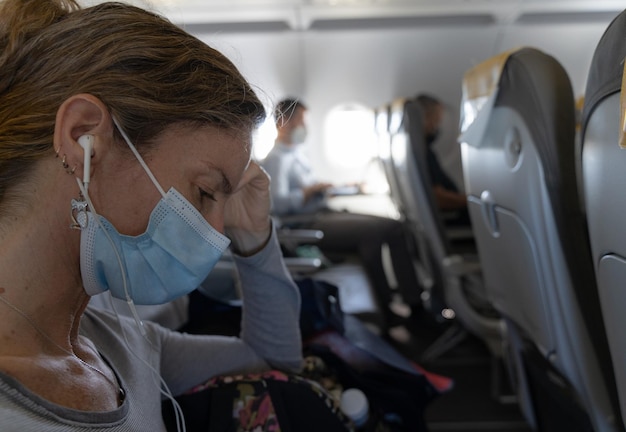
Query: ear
point(82, 115)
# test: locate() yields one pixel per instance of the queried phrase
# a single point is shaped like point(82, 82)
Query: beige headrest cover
point(480, 85)
point(482, 79)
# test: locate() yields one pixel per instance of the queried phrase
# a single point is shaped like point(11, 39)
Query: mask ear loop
point(129, 300)
point(138, 156)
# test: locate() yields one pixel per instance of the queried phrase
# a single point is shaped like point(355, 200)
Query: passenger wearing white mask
point(296, 192)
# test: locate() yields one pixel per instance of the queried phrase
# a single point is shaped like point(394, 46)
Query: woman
point(124, 158)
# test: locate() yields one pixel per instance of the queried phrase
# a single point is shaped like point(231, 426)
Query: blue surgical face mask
point(175, 254)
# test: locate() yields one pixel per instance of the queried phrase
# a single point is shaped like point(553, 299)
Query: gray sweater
point(270, 337)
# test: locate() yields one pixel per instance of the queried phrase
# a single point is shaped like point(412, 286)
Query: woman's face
point(203, 164)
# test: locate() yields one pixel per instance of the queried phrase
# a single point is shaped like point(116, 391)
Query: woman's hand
point(247, 213)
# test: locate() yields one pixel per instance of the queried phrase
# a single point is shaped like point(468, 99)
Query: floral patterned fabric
point(253, 409)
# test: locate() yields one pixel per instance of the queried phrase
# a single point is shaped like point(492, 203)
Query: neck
point(31, 328)
point(46, 286)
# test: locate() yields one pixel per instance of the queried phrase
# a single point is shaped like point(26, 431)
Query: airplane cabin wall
point(326, 68)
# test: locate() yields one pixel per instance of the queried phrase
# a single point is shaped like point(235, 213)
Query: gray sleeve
point(270, 336)
point(284, 199)
point(271, 319)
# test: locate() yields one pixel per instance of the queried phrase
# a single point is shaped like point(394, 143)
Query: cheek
point(137, 216)
point(217, 221)
point(214, 215)
point(127, 208)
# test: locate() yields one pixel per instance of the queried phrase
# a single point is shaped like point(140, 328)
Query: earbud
point(86, 142)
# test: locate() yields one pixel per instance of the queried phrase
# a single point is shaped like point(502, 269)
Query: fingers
point(255, 176)
point(248, 207)
point(247, 216)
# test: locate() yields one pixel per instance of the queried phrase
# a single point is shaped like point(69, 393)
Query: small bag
point(320, 310)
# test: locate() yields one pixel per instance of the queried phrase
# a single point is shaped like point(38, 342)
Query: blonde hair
point(146, 70)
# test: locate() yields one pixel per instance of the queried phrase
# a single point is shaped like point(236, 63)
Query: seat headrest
point(480, 89)
point(607, 67)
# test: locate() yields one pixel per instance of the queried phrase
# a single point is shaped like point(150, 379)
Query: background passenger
point(124, 159)
point(448, 197)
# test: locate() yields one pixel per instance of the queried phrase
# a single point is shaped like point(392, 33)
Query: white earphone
point(86, 142)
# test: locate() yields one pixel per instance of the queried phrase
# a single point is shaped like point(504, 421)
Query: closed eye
point(209, 195)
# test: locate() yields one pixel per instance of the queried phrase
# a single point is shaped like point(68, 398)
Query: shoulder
point(97, 318)
point(116, 332)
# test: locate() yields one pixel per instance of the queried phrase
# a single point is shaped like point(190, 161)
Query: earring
point(66, 167)
point(79, 213)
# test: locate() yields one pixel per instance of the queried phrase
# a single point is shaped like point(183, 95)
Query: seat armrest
point(298, 236)
point(302, 265)
point(294, 221)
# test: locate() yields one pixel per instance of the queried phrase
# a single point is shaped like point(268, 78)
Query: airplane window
point(350, 137)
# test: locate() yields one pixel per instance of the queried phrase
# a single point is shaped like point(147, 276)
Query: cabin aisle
point(469, 405)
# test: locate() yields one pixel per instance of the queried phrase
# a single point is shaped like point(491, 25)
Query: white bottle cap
point(354, 404)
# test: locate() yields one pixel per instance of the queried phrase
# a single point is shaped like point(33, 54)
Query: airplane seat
point(382, 118)
point(518, 155)
point(603, 171)
point(383, 136)
point(456, 289)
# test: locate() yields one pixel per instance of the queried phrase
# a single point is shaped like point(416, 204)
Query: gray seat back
point(520, 177)
point(603, 179)
point(384, 156)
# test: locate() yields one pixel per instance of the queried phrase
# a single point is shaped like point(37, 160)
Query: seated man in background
point(296, 192)
point(447, 195)
point(295, 189)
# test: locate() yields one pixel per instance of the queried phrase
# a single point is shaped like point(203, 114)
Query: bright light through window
point(350, 137)
point(263, 139)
